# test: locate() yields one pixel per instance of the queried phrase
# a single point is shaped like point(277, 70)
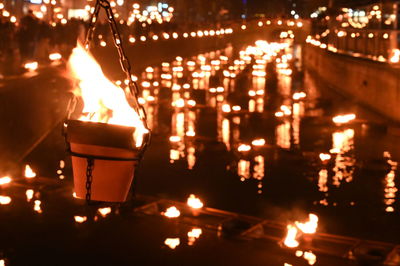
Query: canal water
point(248, 130)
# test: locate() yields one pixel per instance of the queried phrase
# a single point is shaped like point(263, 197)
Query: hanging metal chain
point(123, 59)
point(89, 178)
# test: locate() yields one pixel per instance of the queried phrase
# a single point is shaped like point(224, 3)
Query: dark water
point(265, 159)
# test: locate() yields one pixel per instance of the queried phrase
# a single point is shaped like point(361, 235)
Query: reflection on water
point(390, 188)
point(343, 148)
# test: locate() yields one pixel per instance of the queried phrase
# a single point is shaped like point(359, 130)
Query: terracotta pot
point(114, 159)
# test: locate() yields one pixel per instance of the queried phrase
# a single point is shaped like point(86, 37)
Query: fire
point(342, 119)
point(5, 180)
point(172, 212)
point(104, 102)
point(172, 243)
point(80, 219)
point(194, 202)
point(325, 156)
point(5, 200)
point(290, 240)
point(104, 211)
point(55, 56)
point(309, 227)
point(29, 194)
point(37, 207)
point(31, 66)
point(29, 173)
point(258, 142)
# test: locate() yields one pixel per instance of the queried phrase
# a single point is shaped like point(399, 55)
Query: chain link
point(123, 59)
point(89, 178)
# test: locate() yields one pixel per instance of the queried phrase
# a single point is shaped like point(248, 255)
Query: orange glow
point(309, 227)
point(193, 235)
point(290, 240)
point(258, 142)
point(80, 219)
point(310, 257)
point(31, 66)
point(104, 211)
point(37, 207)
point(325, 156)
point(343, 119)
point(244, 147)
point(172, 212)
point(29, 194)
point(29, 173)
point(55, 56)
point(5, 200)
point(194, 202)
point(5, 180)
point(103, 101)
point(172, 243)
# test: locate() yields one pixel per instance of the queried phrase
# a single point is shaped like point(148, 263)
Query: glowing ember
point(5, 200)
point(29, 173)
point(5, 180)
point(172, 212)
point(29, 194)
point(309, 227)
point(258, 142)
point(194, 202)
point(104, 211)
point(172, 243)
point(103, 101)
point(342, 119)
point(290, 240)
point(80, 219)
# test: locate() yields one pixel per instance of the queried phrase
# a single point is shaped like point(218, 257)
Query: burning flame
point(172, 243)
point(37, 207)
point(5, 180)
point(194, 202)
point(104, 102)
point(342, 119)
point(309, 227)
point(290, 240)
point(80, 219)
point(5, 200)
point(29, 194)
point(104, 211)
point(29, 173)
point(172, 212)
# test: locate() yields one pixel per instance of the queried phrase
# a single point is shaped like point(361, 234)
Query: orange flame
point(104, 102)
point(29, 173)
point(290, 240)
point(309, 227)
